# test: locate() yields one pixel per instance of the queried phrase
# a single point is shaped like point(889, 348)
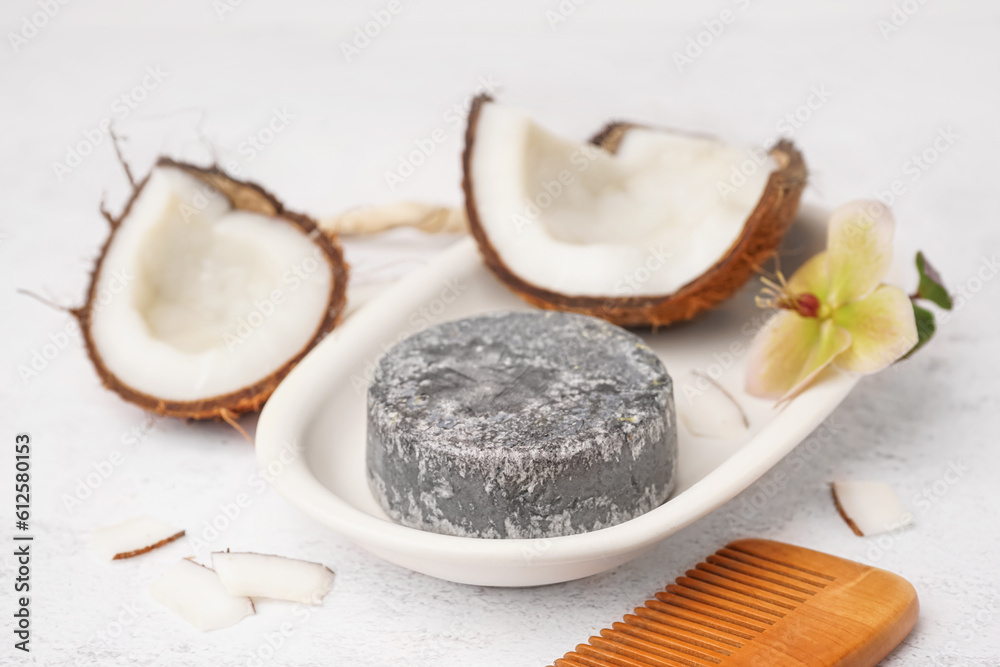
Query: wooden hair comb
point(758, 602)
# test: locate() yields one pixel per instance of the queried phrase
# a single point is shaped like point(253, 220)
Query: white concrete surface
point(880, 96)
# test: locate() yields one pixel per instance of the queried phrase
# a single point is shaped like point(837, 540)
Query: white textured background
point(890, 93)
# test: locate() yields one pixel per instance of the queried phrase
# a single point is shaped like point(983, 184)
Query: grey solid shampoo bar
point(520, 425)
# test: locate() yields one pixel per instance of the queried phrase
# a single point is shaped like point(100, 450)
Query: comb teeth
point(734, 608)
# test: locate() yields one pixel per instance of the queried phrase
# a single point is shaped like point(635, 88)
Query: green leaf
point(925, 328)
point(931, 287)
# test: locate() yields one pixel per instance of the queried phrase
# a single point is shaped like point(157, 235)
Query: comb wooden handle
point(758, 602)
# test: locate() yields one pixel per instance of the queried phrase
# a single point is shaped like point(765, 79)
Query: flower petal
point(788, 353)
point(813, 277)
point(859, 250)
point(883, 329)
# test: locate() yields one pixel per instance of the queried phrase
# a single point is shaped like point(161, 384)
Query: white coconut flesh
point(275, 577)
point(133, 537)
point(707, 410)
point(580, 221)
point(195, 299)
point(870, 507)
point(195, 593)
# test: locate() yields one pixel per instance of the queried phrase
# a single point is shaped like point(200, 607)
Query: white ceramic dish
point(311, 434)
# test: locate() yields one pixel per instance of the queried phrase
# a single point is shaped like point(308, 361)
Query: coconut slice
point(870, 508)
point(133, 537)
point(275, 577)
point(376, 219)
point(708, 410)
point(207, 293)
point(642, 226)
point(194, 593)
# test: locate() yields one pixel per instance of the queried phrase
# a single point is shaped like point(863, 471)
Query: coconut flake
point(869, 507)
point(195, 593)
point(133, 537)
point(375, 219)
point(276, 577)
point(712, 412)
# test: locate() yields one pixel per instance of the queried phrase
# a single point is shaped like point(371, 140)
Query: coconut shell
point(761, 235)
point(243, 196)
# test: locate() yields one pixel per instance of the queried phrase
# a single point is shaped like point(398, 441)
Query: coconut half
point(641, 226)
point(207, 293)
